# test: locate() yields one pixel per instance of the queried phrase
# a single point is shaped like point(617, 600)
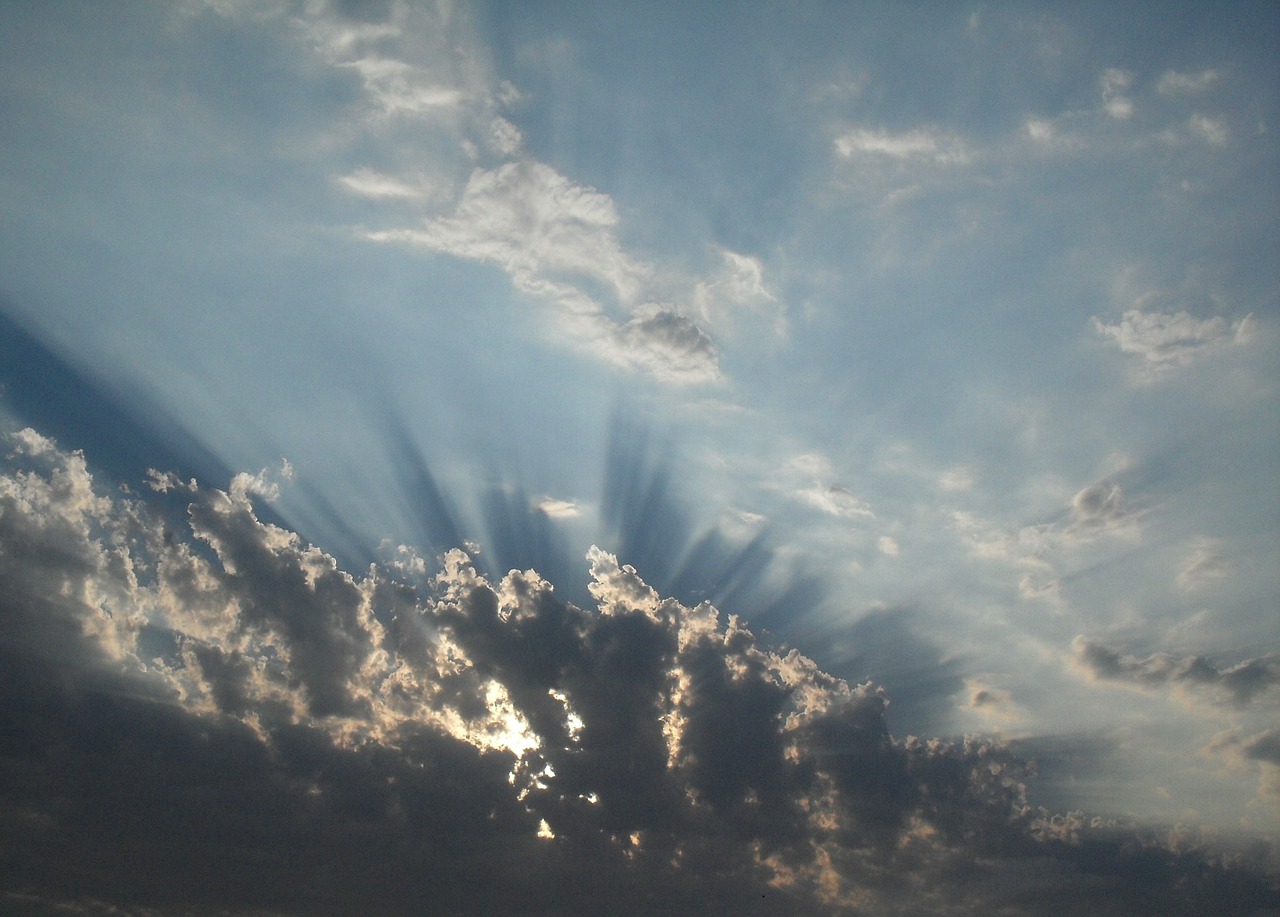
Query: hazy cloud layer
point(194, 700)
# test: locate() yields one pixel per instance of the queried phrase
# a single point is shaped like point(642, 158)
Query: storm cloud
point(189, 702)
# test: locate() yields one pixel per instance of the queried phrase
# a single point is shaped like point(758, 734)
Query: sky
point(648, 457)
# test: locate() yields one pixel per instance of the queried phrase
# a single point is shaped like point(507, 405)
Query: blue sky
point(937, 342)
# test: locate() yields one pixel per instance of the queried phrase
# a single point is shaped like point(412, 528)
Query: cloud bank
point(206, 714)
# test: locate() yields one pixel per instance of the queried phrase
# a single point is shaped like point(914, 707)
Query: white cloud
point(401, 88)
point(1165, 341)
point(371, 184)
point(533, 222)
point(1206, 563)
point(1172, 82)
point(1211, 130)
point(956, 480)
point(1113, 83)
point(557, 509)
point(927, 144)
point(810, 479)
point(736, 288)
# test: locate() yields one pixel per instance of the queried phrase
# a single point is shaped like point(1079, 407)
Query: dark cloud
point(670, 345)
point(1237, 684)
point(1264, 747)
point(227, 722)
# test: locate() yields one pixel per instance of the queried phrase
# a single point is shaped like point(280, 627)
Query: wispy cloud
point(927, 144)
point(533, 223)
point(371, 184)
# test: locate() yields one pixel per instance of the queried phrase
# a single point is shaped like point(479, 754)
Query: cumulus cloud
point(188, 703)
point(1165, 341)
point(1237, 685)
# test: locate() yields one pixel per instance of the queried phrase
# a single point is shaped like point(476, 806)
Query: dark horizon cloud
point(187, 703)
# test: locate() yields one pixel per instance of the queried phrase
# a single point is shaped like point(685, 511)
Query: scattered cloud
point(1098, 508)
point(737, 288)
point(1211, 130)
point(1174, 83)
point(1115, 102)
point(1206, 563)
point(1165, 341)
point(813, 481)
point(926, 144)
point(557, 509)
point(371, 184)
point(1237, 685)
point(532, 222)
point(1260, 752)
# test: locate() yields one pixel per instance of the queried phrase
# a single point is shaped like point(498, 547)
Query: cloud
point(1113, 83)
point(1206, 564)
point(185, 703)
point(375, 185)
point(1174, 83)
point(1098, 508)
point(1237, 685)
point(1165, 341)
point(557, 509)
point(1260, 752)
point(532, 222)
point(738, 288)
point(926, 144)
point(812, 481)
point(1211, 130)
point(670, 345)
